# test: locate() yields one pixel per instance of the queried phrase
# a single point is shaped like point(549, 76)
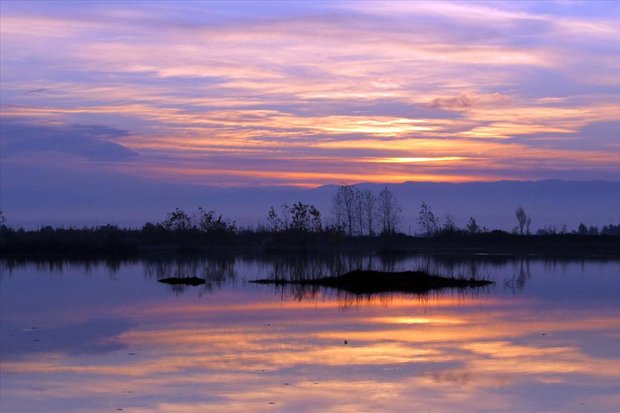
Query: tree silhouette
point(275, 223)
point(206, 221)
point(427, 220)
point(300, 217)
point(344, 205)
point(178, 220)
point(450, 225)
point(389, 211)
point(368, 202)
point(472, 226)
point(523, 220)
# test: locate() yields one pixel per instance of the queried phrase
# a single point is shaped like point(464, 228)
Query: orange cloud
point(346, 89)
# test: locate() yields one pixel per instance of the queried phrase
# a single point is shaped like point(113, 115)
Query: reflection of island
point(372, 282)
point(210, 273)
point(225, 269)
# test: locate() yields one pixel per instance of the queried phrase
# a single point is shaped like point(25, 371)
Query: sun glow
point(419, 159)
point(382, 91)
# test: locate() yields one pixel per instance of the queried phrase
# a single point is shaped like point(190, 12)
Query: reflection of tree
point(303, 267)
point(486, 266)
point(524, 272)
point(307, 267)
point(347, 300)
point(59, 265)
point(214, 270)
point(388, 263)
point(218, 270)
point(521, 274)
point(296, 267)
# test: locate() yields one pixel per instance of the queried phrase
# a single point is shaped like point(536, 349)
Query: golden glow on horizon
point(406, 93)
point(417, 160)
point(304, 179)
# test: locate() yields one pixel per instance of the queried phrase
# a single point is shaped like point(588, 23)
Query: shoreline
point(119, 243)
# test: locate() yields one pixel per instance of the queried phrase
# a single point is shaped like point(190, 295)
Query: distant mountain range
point(134, 201)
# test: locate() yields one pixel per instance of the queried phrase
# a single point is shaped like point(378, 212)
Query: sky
point(247, 94)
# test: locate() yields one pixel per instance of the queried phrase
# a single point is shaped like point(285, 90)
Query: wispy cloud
point(323, 92)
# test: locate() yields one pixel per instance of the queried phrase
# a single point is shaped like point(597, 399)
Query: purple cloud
point(93, 142)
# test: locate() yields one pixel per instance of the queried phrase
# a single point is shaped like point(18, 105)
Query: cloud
point(605, 134)
point(468, 100)
point(93, 142)
point(601, 136)
point(313, 93)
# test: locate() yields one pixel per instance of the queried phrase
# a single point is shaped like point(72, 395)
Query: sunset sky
point(309, 93)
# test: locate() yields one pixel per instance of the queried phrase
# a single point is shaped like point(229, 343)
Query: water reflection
point(221, 269)
point(92, 336)
point(348, 300)
point(214, 270)
point(58, 265)
point(127, 343)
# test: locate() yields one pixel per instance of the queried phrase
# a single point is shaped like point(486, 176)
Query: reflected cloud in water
point(92, 336)
point(243, 348)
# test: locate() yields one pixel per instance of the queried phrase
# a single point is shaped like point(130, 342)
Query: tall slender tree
point(344, 206)
point(389, 211)
point(368, 202)
point(523, 220)
point(427, 220)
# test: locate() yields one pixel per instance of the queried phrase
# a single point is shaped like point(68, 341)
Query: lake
point(107, 337)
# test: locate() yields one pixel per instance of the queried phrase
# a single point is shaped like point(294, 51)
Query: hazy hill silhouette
point(134, 201)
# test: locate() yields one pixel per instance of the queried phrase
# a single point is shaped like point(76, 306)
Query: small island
point(372, 282)
point(183, 281)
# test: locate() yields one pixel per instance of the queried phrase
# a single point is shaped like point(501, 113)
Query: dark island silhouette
point(374, 282)
point(194, 281)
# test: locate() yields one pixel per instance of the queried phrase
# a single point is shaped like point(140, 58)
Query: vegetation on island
point(358, 220)
point(373, 282)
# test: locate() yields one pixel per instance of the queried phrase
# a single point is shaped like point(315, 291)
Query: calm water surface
point(107, 337)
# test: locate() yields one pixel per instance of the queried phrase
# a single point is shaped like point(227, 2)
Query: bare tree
point(178, 220)
point(527, 225)
point(523, 219)
point(450, 224)
point(300, 217)
point(389, 211)
point(305, 218)
point(368, 202)
point(315, 219)
point(344, 207)
point(275, 222)
point(358, 212)
point(472, 226)
point(209, 222)
point(582, 229)
point(427, 220)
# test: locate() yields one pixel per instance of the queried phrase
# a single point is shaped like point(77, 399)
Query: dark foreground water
point(107, 337)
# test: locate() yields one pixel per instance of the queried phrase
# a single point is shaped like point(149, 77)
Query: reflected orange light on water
point(480, 344)
point(248, 347)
